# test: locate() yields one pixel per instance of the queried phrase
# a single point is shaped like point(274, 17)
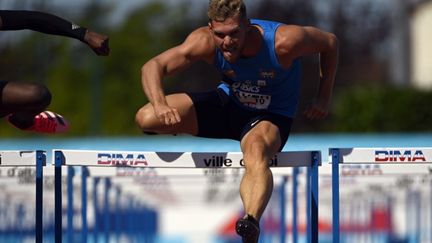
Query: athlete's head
point(229, 24)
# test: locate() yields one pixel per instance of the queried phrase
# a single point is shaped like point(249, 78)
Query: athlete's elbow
point(333, 41)
point(146, 67)
point(153, 66)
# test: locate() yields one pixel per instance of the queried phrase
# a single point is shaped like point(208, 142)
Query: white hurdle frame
point(393, 160)
point(33, 158)
point(95, 158)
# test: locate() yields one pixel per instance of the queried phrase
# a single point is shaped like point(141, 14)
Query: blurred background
point(382, 96)
point(383, 83)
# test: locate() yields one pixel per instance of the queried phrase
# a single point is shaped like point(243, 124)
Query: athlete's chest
point(252, 75)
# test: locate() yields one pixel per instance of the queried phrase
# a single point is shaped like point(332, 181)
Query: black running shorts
point(219, 117)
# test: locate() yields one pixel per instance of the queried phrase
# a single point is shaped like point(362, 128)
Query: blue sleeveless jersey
point(260, 82)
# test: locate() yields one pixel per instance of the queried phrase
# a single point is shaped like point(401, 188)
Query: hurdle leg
point(308, 205)
point(70, 228)
point(312, 199)
point(118, 214)
point(130, 228)
point(58, 195)
point(282, 201)
point(107, 221)
point(84, 230)
point(335, 194)
point(40, 162)
point(314, 196)
point(294, 205)
point(96, 209)
point(417, 213)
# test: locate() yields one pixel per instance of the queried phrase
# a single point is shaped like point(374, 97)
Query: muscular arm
point(54, 25)
point(41, 22)
point(197, 46)
point(295, 41)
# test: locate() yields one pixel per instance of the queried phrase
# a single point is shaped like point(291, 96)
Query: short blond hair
point(219, 10)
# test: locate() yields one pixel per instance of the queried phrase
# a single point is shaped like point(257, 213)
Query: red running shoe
point(48, 122)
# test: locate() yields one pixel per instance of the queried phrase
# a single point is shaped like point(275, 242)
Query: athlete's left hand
point(316, 110)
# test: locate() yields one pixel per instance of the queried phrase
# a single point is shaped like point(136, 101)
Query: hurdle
point(17, 158)
point(392, 161)
point(203, 160)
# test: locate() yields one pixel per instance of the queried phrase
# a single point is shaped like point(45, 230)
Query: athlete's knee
point(254, 146)
point(38, 95)
point(256, 154)
point(144, 116)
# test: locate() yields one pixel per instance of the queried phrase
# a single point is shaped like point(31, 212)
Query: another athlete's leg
point(24, 105)
point(259, 145)
point(147, 121)
point(23, 100)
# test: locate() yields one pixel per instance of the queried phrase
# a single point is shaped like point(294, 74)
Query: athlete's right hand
point(97, 42)
point(166, 114)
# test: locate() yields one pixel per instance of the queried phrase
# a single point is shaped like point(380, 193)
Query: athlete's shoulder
point(288, 39)
point(202, 35)
point(290, 32)
point(289, 36)
point(200, 43)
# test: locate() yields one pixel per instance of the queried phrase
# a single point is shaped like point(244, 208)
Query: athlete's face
point(229, 36)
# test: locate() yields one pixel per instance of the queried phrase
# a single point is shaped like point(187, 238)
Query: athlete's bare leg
point(23, 97)
point(23, 100)
point(147, 121)
point(259, 145)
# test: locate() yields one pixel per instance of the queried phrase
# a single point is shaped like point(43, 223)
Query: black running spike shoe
point(248, 229)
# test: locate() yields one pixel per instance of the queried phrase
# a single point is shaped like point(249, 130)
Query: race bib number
point(253, 100)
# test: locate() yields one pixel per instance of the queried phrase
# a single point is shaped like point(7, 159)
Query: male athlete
point(256, 100)
point(23, 104)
